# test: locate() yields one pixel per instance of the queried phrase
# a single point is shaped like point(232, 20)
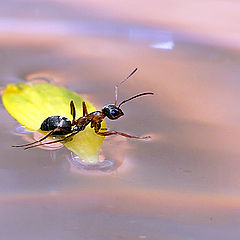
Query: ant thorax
point(81, 124)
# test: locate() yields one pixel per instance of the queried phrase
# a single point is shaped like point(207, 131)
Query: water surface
point(184, 184)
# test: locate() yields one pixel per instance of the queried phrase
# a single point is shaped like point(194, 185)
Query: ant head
point(112, 111)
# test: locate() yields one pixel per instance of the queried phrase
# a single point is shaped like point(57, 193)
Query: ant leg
point(52, 142)
point(104, 129)
point(41, 139)
point(73, 111)
point(85, 111)
point(112, 132)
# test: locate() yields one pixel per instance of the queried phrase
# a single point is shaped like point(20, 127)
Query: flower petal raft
point(31, 103)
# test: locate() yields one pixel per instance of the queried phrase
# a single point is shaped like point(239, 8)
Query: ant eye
point(113, 112)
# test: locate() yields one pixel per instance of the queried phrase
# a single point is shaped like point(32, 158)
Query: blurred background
point(182, 185)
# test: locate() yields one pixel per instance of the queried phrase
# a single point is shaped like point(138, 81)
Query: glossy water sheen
point(184, 184)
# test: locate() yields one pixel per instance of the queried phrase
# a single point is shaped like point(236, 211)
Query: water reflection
point(168, 45)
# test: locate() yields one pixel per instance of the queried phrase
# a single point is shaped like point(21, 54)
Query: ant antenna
point(138, 95)
point(125, 79)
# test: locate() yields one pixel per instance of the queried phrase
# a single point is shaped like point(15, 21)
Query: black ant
point(58, 125)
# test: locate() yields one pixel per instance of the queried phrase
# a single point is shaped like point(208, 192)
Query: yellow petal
point(31, 103)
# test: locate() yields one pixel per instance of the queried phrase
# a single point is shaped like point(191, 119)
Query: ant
point(62, 126)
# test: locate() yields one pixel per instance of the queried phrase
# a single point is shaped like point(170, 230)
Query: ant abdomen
point(62, 125)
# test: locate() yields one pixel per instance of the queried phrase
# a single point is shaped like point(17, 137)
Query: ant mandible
point(58, 125)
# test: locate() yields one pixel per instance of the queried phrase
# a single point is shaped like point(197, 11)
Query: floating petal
point(31, 103)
